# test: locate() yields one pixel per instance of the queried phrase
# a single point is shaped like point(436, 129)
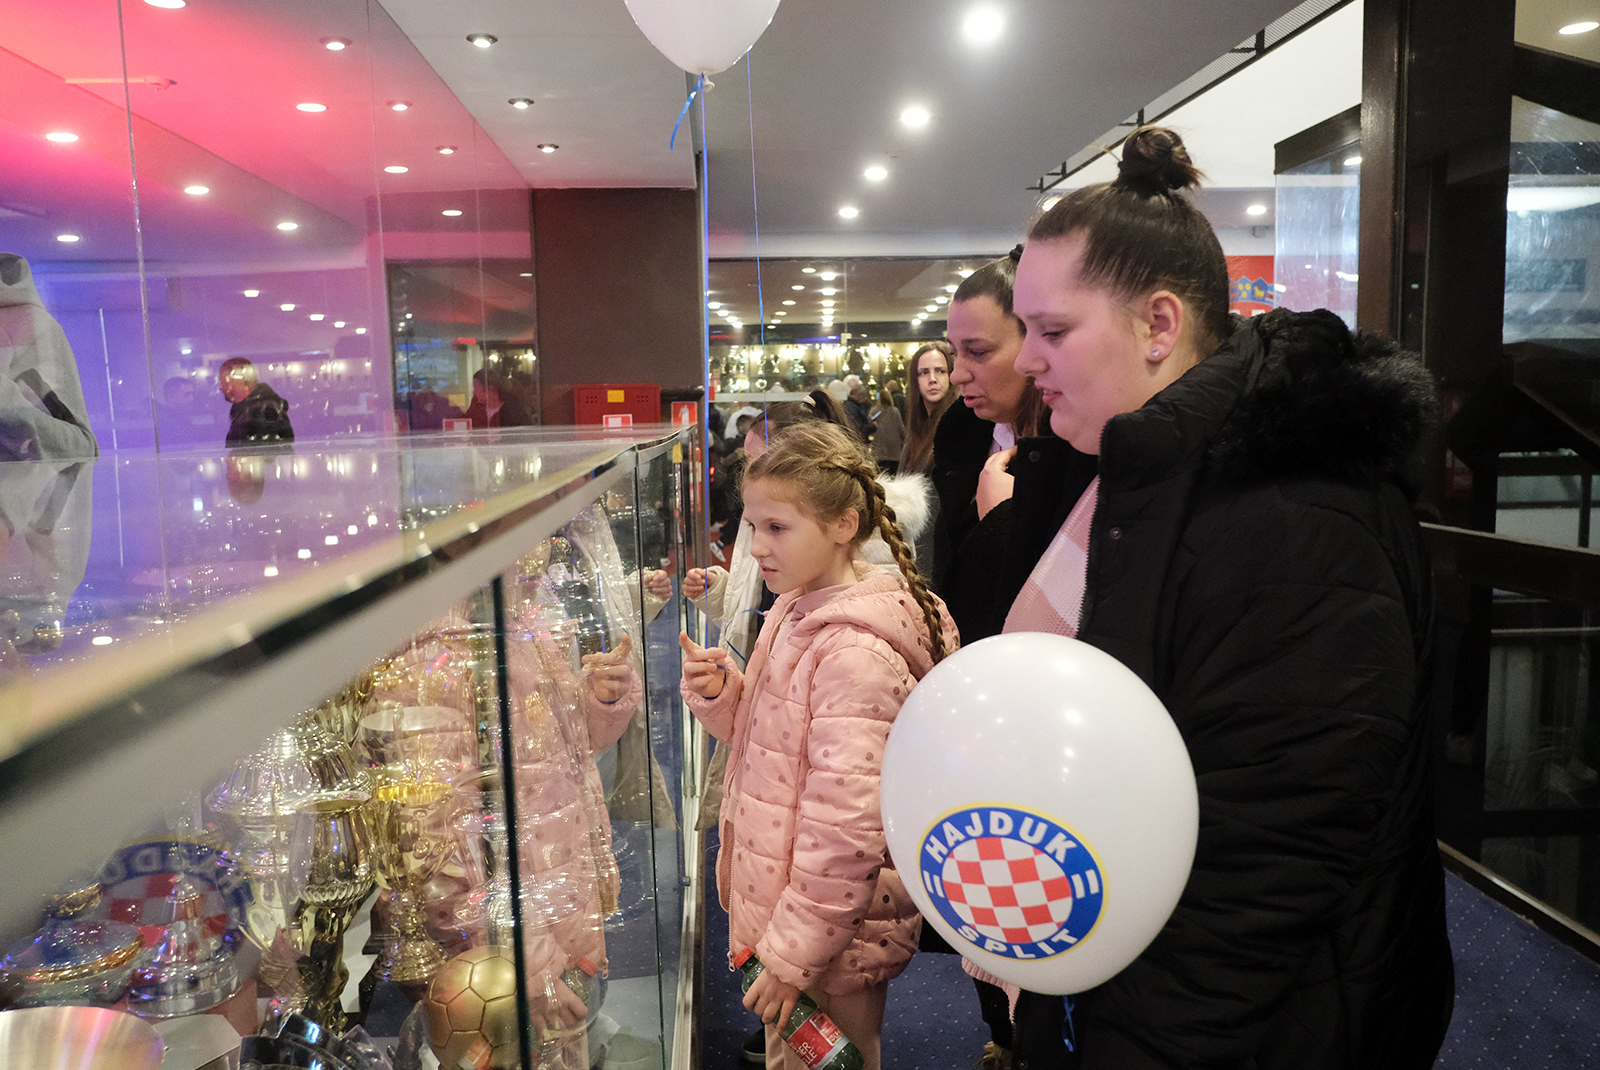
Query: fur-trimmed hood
point(1288, 394)
point(1323, 400)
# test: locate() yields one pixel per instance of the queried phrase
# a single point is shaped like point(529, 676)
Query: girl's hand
point(995, 484)
point(773, 1000)
point(559, 1008)
point(694, 584)
point(705, 669)
point(609, 673)
point(657, 583)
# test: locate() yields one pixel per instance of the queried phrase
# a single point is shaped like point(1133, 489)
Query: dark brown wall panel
point(618, 281)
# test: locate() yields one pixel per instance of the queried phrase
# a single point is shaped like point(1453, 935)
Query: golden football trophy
point(339, 881)
point(472, 1006)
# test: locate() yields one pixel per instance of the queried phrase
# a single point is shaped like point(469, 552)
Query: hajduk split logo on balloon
point(1041, 804)
point(1013, 882)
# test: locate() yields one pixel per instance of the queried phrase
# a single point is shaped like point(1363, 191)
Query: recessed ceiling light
point(170, 5)
point(941, 300)
point(482, 40)
point(808, 271)
point(336, 44)
point(789, 302)
point(399, 105)
point(952, 288)
point(310, 106)
point(827, 276)
point(286, 225)
point(931, 308)
point(827, 291)
point(452, 212)
point(713, 305)
point(915, 116)
point(1569, 30)
point(61, 137)
point(828, 304)
point(1050, 202)
point(69, 238)
point(520, 103)
point(287, 307)
point(1256, 209)
point(338, 323)
point(318, 317)
point(780, 312)
point(447, 150)
point(361, 330)
point(797, 286)
point(875, 173)
point(964, 272)
point(548, 147)
point(983, 25)
point(849, 211)
point(1352, 161)
point(397, 169)
point(526, 274)
point(252, 293)
point(197, 191)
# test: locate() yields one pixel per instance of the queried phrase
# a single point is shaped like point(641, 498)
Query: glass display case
point(372, 753)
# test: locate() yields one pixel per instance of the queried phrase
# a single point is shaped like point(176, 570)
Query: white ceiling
point(828, 81)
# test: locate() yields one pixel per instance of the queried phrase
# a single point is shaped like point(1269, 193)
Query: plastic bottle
point(820, 1044)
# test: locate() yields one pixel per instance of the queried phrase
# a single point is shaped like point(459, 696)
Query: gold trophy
point(411, 817)
point(338, 882)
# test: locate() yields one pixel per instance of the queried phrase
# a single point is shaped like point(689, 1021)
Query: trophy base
point(409, 962)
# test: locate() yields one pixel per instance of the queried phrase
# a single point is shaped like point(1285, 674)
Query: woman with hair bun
point(1229, 515)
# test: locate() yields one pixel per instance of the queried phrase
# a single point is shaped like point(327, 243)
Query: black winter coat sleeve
point(1289, 663)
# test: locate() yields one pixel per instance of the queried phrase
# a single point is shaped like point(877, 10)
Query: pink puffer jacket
point(804, 871)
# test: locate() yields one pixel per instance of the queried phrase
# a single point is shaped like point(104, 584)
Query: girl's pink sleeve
point(839, 845)
point(717, 713)
point(607, 720)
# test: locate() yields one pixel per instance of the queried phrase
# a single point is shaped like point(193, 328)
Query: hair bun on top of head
point(1154, 161)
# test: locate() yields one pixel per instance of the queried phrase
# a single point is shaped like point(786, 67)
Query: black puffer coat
point(260, 416)
point(1254, 558)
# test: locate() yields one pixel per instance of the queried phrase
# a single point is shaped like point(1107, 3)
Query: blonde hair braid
point(830, 474)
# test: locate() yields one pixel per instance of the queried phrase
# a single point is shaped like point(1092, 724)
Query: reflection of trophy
point(412, 835)
point(263, 797)
point(338, 881)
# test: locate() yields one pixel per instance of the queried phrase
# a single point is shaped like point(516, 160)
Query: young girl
point(804, 872)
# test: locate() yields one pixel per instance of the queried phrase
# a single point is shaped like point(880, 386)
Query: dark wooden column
point(617, 274)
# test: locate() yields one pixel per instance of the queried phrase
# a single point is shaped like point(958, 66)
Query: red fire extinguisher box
point(617, 404)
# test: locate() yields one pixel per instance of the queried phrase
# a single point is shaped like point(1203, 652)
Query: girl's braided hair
point(830, 474)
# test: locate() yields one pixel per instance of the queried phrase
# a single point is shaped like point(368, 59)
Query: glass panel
point(1540, 24)
point(67, 211)
point(1318, 232)
point(1558, 870)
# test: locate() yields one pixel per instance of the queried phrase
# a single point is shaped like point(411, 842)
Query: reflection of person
point(42, 414)
point(805, 872)
point(931, 395)
point(427, 409)
point(1229, 517)
point(258, 413)
point(496, 402)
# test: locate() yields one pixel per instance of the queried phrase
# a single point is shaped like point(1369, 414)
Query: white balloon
point(1041, 807)
point(702, 36)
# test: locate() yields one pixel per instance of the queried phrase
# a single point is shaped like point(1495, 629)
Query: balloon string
point(755, 205)
point(705, 293)
point(698, 85)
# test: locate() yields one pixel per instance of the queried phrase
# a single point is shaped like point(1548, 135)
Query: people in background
point(496, 402)
point(258, 415)
point(858, 406)
point(888, 434)
point(806, 874)
point(930, 397)
point(1228, 512)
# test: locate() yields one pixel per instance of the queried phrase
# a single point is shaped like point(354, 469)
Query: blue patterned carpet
point(1522, 1000)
